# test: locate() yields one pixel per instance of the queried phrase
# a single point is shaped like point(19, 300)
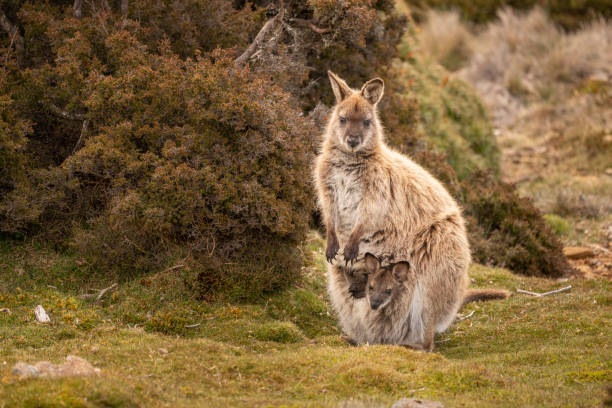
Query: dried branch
point(552, 292)
point(78, 8)
point(191, 326)
point(82, 137)
point(65, 114)
point(311, 25)
point(269, 26)
point(5, 309)
point(97, 296)
point(103, 291)
point(125, 7)
point(16, 38)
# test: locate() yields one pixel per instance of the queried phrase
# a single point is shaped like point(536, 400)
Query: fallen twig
point(466, 316)
point(179, 266)
point(536, 294)
point(103, 291)
point(97, 296)
point(6, 309)
point(191, 326)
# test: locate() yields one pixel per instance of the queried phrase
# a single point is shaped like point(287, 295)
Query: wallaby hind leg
point(426, 343)
point(348, 339)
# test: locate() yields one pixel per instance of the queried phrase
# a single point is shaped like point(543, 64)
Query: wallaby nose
point(374, 305)
point(353, 141)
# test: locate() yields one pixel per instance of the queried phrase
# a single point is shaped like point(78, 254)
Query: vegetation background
point(167, 147)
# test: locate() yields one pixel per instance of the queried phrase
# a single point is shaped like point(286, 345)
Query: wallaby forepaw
point(332, 249)
point(350, 252)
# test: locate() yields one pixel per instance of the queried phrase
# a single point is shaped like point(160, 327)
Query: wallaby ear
point(400, 271)
point(341, 89)
point(372, 263)
point(373, 90)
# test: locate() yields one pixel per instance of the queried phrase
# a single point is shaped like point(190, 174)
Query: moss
point(559, 225)
point(517, 352)
point(280, 332)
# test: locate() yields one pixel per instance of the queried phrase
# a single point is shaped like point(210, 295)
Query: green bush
point(507, 230)
point(559, 225)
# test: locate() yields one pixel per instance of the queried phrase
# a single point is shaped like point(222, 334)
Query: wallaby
point(398, 306)
point(376, 200)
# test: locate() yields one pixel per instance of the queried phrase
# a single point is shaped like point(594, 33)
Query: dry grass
point(550, 94)
point(445, 39)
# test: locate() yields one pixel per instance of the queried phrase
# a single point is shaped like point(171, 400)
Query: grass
point(286, 351)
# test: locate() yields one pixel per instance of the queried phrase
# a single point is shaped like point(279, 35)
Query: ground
point(286, 351)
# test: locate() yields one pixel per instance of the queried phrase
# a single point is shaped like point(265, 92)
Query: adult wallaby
point(374, 199)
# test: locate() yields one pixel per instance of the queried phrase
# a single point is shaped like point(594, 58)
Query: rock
point(162, 351)
point(41, 315)
point(416, 403)
point(74, 366)
point(578, 252)
point(23, 370)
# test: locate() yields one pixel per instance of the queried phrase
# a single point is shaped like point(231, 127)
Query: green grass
point(286, 351)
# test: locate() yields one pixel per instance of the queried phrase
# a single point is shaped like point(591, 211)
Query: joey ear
point(400, 271)
point(372, 263)
point(373, 90)
point(341, 89)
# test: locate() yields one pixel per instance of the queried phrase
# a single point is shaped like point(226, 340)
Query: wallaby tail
point(473, 295)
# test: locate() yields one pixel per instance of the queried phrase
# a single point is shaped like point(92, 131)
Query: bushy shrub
point(507, 230)
point(149, 143)
point(192, 156)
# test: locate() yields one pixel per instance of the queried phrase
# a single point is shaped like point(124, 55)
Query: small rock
point(23, 370)
point(41, 315)
point(95, 349)
point(416, 403)
point(74, 366)
point(162, 351)
point(578, 252)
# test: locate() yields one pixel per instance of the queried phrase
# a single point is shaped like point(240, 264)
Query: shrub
point(559, 225)
point(507, 230)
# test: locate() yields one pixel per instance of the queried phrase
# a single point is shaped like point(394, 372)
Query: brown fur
point(376, 200)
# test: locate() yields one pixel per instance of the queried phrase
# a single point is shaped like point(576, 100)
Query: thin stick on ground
point(459, 319)
point(536, 294)
point(103, 291)
point(97, 296)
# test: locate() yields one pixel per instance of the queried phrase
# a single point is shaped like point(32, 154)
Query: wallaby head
point(384, 283)
point(354, 123)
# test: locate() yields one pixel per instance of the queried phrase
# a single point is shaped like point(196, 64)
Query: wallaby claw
point(350, 253)
point(331, 250)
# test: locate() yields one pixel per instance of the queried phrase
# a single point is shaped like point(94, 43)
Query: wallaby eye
point(342, 120)
point(366, 123)
point(388, 291)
